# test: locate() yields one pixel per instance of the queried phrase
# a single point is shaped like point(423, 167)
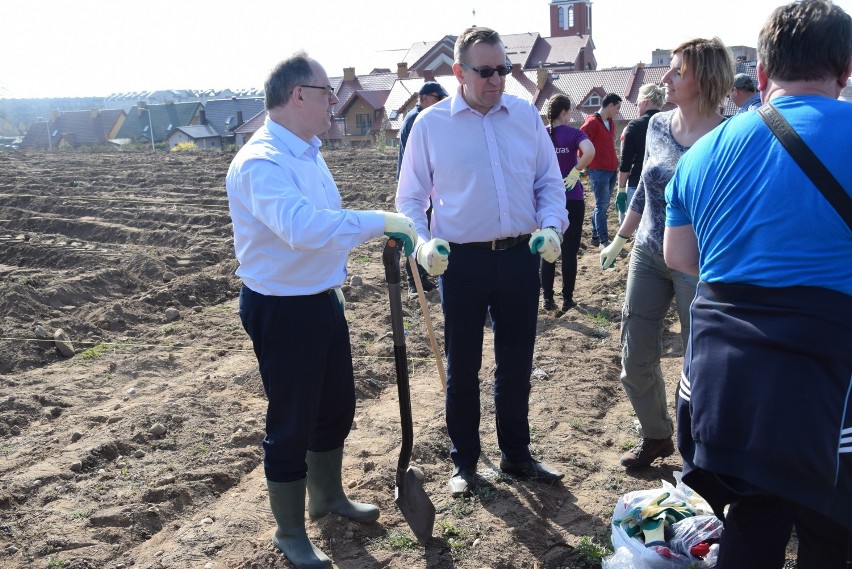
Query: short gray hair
point(286, 76)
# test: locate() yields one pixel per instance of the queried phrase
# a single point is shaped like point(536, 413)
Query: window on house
point(570, 17)
point(561, 15)
point(363, 123)
point(593, 101)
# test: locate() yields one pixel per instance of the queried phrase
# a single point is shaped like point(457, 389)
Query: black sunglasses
point(487, 72)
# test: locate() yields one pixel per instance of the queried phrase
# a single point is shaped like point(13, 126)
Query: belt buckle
point(494, 244)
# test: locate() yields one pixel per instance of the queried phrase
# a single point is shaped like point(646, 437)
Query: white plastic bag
point(631, 551)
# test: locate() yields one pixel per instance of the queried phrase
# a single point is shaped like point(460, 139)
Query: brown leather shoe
point(462, 481)
point(532, 470)
point(644, 454)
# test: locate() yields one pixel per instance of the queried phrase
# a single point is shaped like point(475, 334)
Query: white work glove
point(571, 179)
point(400, 227)
point(340, 298)
point(546, 242)
point(610, 253)
point(433, 255)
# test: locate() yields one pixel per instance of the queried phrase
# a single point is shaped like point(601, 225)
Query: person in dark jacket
point(430, 93)
point(651, 99)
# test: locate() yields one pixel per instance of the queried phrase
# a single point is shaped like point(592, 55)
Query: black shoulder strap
point(808, 162)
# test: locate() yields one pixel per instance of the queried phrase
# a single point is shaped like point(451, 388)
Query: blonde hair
point(713, 67)
point(653, 93)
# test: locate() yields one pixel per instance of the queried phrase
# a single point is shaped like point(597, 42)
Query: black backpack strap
point(825, 182)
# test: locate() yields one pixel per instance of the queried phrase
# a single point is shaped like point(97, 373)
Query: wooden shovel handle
point(418, 284)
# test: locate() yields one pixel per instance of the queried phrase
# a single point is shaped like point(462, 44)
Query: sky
point(57, 48)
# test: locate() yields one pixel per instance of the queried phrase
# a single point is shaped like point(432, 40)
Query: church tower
point(570, 18)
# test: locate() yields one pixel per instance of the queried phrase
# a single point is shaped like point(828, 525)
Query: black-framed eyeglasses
point(487, 72)
point(329, 90)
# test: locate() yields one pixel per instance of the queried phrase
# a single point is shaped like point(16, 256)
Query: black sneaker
point(568, 305)
point(595, 241)
point(549, 304)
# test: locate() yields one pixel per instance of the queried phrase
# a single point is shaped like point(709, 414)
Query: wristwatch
point(559, 233)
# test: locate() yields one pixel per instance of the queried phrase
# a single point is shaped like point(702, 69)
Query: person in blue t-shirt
point(764, 406)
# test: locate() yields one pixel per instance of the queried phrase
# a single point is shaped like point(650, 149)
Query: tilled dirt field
point(143, 448)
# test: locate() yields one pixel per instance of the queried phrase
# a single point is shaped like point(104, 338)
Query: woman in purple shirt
point(566, 141)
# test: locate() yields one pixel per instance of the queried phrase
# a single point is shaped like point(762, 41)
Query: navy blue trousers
point(302, 348)
point(504, 284)
point(757, 529)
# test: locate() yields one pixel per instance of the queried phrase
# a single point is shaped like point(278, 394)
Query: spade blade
point(415, 505)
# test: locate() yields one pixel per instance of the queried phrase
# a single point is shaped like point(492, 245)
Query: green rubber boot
point(287, 500)
point(325, 489)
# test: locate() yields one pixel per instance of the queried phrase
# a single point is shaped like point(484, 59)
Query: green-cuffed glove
point(340, 298)
point(546, 242)
point(621, 200)
point(670, 512)
point(571, 179)
point(610, 253)
point(433, 255)
point(402, 228)
point(654, 530)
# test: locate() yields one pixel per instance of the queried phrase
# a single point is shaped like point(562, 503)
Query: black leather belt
point(501, 244)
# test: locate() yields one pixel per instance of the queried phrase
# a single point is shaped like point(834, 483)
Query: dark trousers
point(757, 529)
point(504, 284)
point(570, 246)
point(302, 348)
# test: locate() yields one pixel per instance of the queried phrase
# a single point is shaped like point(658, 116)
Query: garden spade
point(410, 497)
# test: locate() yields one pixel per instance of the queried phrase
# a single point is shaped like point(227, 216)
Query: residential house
point(360, 113)
point(72, 129)
point(153, 123)
point(245, 131)
point(203, 136)
point(225, 115)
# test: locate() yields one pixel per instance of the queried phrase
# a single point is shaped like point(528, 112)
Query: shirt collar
point(294, 144)
point(458, 104)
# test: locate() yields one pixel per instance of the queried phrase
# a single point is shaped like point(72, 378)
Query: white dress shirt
point(291, 235)
point(489, 177)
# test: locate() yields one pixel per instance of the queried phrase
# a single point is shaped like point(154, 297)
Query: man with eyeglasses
point(430, 93)
point(292, 238)
point(487, 163)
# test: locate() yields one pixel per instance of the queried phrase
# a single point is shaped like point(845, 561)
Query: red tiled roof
point(374, 99)
point(557, 51)
point(519, 46)
point(251, 125)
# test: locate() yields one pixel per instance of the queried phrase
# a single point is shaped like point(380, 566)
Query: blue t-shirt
point(758, 218)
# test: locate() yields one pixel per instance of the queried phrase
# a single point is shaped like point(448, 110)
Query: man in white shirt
point(485, 160)
point(292, 239)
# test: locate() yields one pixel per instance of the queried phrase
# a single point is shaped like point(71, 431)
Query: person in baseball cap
point(744, 93)
point(434, 89)
point(430, 93)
